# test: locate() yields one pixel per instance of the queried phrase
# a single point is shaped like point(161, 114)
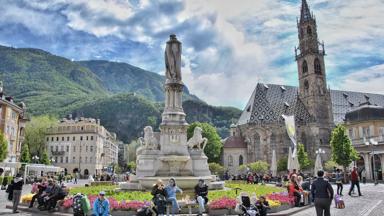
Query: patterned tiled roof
point(269, 101)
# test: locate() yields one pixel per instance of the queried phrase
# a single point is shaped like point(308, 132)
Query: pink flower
point(223, 203)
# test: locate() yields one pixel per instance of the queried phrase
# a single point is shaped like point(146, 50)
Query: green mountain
point(122, 78)
point(124, 97)
point(45, 82)
point(127, 114)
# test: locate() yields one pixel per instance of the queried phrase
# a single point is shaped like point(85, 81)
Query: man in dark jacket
point(201, 193)
point(17, 187)
point(322, 195)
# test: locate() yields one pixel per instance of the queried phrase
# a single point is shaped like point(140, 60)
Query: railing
point(362, 141)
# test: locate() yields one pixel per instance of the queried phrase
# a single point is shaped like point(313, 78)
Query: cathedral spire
point(305, 12)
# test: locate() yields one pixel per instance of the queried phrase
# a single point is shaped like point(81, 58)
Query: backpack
point(77, 205)
point(85, 204)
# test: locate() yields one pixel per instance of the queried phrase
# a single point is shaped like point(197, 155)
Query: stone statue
point(1, 86)
point(149, 141)
point(173, 59)
point(197, 139)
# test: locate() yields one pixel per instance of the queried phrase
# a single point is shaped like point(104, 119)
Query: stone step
point(37, 211)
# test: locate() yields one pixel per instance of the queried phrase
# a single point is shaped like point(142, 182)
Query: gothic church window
point(317, 66)
point(305, 67)
point(230, 160)
point(306, 86)
point(309, 30)
point(241, 160)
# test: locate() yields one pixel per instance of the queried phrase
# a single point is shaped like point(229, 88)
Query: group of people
point(164, 194)
point(47, 193)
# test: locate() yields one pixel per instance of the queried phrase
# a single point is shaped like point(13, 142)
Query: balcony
point(57, 153)
point(362, 141)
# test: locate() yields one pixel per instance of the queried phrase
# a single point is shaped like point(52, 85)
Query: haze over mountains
point(124, 97)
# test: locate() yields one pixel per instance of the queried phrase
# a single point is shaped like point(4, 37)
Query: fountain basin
point(184, 182)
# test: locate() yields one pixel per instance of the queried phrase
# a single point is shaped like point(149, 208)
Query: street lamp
point(35, 159)
point(371, 142)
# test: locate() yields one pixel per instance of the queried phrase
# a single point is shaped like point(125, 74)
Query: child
point(263, 206)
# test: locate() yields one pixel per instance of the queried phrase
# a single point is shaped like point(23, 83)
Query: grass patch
point(230, 192)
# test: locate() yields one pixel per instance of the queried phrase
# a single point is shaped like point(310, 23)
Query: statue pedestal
point(147, 163)
point(199, 163)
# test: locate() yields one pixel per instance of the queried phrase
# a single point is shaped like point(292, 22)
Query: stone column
point(367, 165)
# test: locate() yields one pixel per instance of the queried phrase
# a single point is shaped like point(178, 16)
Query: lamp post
point(35, 159)
point(371, 142)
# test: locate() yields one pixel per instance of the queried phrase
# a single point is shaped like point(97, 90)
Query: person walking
point(339, 182)
point(322, 195)
point(354, 181)
point(17, 187)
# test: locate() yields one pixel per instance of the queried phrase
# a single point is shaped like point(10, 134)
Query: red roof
point(235, 142)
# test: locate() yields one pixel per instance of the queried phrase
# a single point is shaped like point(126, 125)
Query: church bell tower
point(313, 90)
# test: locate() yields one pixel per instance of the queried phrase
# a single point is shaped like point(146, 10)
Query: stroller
point(246, 207)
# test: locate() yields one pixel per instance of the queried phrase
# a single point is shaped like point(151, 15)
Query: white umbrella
point(274, 164)
point(295, 163)
point(318, 164)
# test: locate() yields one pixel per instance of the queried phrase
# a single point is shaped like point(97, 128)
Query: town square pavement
point(370, 204)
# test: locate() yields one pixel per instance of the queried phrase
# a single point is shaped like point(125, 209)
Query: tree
point(3, 148)
point(214, 145)
point(330, 165)
point(259, 166)
point(343, 153)
point(302, 157)
point(25, 156)
point(35, 131)
point(131, 166)
point(44, 158)
point(216, 169)
point(282, 164)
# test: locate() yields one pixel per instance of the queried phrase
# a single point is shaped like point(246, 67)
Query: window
point(306, 86)
point(61, 159)
point(57, 148)
point(317, 66)
point(87, 137)
point(73, 159)
point(351, 134)
point(91, 148)
point(51, 148)
point(73, 138)
point(74, 148)
point(47, 139)
point(66, 159)
point(241, 160)
point(230, 160)
point(305, 67)
point(82, 128)
point(81, 137)
point(67, 138)
point(56, 160)
point(57, 138)
point(91, 137)
point(309, 30)
point(67, 148)
point(62, 138)
point(86, 148)
point(51, 138)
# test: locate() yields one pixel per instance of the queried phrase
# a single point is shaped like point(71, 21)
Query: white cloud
point(367, 80)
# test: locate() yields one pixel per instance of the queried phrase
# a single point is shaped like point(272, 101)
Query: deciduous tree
point(3, 148)
point(302, 156)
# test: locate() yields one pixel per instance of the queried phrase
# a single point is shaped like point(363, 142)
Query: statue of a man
point(173, 59)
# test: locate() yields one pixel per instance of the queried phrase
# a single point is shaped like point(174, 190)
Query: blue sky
point(228, 45)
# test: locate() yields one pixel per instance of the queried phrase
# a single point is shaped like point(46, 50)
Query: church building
point(317, 109)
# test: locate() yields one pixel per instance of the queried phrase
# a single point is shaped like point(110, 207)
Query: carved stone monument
point(169, 153)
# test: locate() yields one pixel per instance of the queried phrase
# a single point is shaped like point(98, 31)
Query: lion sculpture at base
point(149, 142)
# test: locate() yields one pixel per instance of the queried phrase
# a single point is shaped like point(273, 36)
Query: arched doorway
point(86, 172)
point(376, 167)
point(241, 160)
point(76, 170)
